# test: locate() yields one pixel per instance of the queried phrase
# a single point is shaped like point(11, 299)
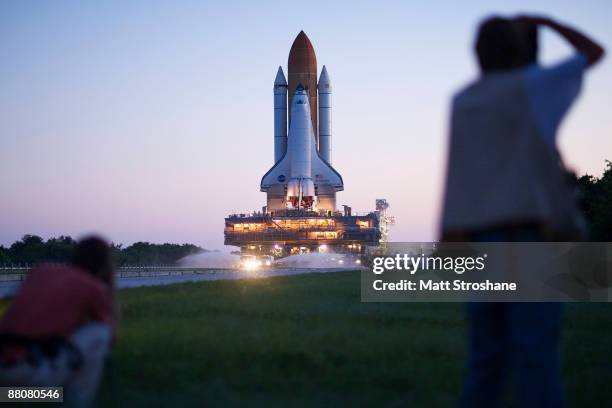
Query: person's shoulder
point(485, 88)
point(465, 90)
point(89, 288)
point(83, 277)
point(46, 267)
point(578, 59)
point(50, 270)
point(574, 64)
point(459, 97)
point(60, 277)
point(70, 276)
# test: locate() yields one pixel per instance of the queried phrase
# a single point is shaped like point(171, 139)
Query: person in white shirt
point(505, 182)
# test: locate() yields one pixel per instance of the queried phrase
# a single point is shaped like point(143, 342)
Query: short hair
point(533, 43)
point(502, 44)
point(93, 255)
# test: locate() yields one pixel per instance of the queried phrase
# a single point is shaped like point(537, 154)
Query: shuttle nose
point(300, 98)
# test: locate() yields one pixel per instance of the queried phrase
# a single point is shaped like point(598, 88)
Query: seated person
point(59, 327)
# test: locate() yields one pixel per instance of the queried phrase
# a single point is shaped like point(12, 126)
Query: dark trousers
point(513, 342)
point(518, 342)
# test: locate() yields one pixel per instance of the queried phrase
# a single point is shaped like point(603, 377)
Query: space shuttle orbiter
point(302, 176)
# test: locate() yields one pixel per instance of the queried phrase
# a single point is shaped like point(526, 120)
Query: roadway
point(137, 277)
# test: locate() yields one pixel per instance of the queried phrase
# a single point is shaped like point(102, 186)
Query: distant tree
point(117, 254)
point(60, 249)
point(145, 253)
point(597, 203)
point(5, 259)
point(29, 250)
point(32, 249)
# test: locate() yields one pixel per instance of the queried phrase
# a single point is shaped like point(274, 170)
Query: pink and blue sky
point(146, 120)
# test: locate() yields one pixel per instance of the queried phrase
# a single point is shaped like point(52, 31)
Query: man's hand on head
point(580, 41)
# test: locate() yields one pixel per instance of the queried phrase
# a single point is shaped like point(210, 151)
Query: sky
point(153, 120)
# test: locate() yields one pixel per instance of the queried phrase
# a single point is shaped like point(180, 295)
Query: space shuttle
point(302, 176)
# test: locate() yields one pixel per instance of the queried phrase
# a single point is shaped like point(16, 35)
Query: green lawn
point(308, 341)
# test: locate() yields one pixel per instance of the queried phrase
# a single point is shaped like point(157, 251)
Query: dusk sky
point(152, 121)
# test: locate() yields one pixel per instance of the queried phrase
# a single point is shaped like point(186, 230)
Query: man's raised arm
point(591, 49)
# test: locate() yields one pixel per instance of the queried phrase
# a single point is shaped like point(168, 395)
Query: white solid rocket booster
point(280, 115)
point(300, 188)
point(325, 107)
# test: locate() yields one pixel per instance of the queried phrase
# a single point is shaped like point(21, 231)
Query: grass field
point(308, 341)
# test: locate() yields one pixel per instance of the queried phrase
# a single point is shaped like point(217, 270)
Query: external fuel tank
point(302, 69)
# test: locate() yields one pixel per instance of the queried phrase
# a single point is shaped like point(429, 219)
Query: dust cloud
point(210, 260)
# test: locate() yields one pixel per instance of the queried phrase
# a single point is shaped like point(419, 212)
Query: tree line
point(32, 249)
point(596, 197)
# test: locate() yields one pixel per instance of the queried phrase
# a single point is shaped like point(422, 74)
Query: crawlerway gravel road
point(8, 288)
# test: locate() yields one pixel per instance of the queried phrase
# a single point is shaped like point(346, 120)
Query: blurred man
point(505, 182)
point(58, 330)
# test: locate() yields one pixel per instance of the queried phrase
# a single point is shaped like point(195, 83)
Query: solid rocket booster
point(300, 188)
point(280, 115)
point(325, 107)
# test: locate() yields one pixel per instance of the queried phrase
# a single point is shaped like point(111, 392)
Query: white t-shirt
point(551, 92)
point(503, 167)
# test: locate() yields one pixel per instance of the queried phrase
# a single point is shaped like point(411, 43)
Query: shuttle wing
point(278, 174)
point(324, 173)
